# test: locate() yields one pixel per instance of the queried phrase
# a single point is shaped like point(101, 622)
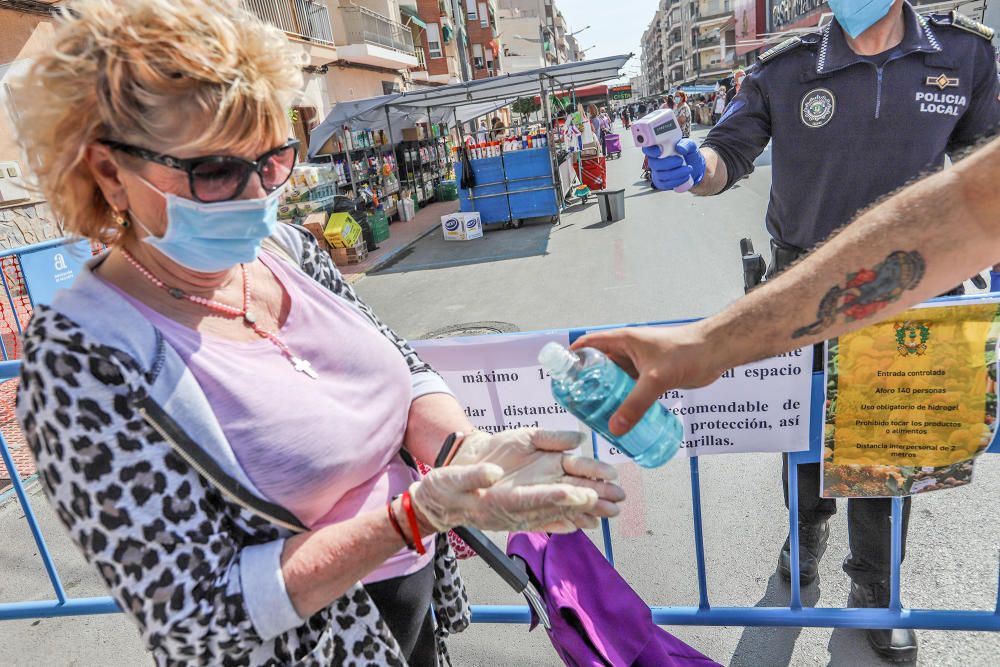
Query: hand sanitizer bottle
point(592, 387)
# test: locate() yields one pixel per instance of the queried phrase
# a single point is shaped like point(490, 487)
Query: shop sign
point(786, 12)
point(620, 92)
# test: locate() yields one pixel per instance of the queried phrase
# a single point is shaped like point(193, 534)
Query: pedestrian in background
point(823, 99)
point(683, 112)
point(720, 105)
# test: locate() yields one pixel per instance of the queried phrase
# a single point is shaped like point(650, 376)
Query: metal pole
point(549, 134)
point(388, 122)
point(350, 162)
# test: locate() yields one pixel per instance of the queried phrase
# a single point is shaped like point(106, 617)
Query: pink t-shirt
point(326, 449)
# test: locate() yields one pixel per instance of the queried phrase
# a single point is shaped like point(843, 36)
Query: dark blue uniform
point(846, 129)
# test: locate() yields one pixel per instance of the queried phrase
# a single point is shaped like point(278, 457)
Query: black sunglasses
point(216, 178)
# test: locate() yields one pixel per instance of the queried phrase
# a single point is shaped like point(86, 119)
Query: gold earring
point(119, 219)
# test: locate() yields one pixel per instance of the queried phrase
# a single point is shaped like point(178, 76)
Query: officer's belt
point(782, 257)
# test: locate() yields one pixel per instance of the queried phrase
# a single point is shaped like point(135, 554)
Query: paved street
point(674, 256)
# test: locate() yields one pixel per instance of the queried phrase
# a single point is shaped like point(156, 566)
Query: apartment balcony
point(707, 43)
point(305, 19)
point(713, 19)
point(376, 40)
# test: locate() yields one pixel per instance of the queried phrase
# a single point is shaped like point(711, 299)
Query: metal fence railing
point(794, 614)
point(308, 19)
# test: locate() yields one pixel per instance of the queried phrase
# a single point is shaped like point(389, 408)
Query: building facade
point(535, 34)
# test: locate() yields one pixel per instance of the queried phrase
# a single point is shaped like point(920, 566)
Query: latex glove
point(673, 171)
point(536, 456)
point(994, 281)
point(470, 496)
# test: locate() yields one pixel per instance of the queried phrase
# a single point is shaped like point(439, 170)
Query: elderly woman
point(225, 430)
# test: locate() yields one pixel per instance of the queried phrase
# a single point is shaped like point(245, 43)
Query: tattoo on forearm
point(867, 291)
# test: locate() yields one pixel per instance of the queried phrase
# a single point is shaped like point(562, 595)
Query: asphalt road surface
point(673, 257)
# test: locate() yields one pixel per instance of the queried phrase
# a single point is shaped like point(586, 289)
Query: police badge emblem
point(818, 106)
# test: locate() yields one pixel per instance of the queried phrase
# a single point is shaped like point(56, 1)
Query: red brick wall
point(482, 36)
point(430, 12)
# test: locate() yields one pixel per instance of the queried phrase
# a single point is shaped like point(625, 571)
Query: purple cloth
point(597, 619)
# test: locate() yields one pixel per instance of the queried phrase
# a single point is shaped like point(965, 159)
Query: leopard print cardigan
point(166, 542)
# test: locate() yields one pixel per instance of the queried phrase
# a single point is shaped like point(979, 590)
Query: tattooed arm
point(913, 246)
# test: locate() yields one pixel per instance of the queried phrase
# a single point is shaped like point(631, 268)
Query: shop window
point(434, 40)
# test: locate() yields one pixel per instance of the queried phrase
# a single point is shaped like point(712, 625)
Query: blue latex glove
point(994, 281)
point(674, 170)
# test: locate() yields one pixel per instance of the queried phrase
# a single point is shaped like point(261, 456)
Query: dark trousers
point(869, 523)
point(405, 606)
point(869, 520)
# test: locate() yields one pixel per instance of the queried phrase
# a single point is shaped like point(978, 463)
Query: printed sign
point(760, 407)
point(620, 92)
point(911, 401)
point(49, 270)
point(499, 381)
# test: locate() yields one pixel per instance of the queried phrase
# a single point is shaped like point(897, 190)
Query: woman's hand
point(472, 495)
point(660, 359)
point(534, 456)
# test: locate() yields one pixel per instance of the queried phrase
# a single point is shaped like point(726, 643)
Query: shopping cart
point(612, 145)
point(593, 171)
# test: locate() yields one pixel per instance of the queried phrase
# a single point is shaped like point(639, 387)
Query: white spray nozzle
point(556, 359)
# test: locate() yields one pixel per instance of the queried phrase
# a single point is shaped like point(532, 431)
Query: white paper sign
point(499, 381)
point(760, 407)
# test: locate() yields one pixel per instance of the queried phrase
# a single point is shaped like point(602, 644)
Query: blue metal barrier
point(794, 615)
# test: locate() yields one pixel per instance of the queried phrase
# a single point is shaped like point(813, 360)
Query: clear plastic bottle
point(592, 387)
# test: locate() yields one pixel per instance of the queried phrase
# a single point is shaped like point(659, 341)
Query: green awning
point(411, 13)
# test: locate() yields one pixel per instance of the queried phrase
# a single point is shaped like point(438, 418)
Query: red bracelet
point(395, 525)
point(411, 518)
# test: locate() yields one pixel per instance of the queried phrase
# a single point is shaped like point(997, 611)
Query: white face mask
point(213, 237)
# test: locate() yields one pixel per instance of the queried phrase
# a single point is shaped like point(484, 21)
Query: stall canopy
point(467, 100)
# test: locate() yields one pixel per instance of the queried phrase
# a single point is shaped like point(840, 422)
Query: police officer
point(853, 111)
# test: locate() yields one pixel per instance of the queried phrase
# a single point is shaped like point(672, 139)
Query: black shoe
point(812, 545)
point(899, 645)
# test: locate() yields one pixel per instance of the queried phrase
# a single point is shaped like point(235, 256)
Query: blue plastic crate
point(523, 164)
point(490, 201)
point(528, 201)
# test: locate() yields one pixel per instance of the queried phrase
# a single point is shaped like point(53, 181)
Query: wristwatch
point(448, 450)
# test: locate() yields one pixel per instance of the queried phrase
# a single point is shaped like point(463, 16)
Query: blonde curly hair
point(162, 74)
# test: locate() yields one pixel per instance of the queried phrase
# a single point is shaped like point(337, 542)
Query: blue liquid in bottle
point(592, 387)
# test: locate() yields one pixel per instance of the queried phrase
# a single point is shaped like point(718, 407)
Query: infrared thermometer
point(660, 129)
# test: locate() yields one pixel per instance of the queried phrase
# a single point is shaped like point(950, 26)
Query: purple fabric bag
point(597, 619)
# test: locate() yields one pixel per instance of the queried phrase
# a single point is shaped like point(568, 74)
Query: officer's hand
point(671, 172)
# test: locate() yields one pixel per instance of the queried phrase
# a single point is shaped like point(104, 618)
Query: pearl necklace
point(249, 319)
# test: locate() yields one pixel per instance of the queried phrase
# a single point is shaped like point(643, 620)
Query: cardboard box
point(414, 133)
point(461, 226)
point(315, 224)
point(473, 226)
point(353, 255)
point(342, 231)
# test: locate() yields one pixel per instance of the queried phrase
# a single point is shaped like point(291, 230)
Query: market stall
point(394, 149)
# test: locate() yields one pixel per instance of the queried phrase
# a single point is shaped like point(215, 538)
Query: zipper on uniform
point(204, 473)
point(878, 91)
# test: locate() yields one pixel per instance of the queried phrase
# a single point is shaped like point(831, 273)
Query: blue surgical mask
point(856, 16)
point(214, 237)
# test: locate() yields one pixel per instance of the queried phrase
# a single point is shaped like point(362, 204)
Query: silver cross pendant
point(303, 366)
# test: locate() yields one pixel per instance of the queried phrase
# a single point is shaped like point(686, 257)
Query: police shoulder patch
point(786, 46)
point(962, 22)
